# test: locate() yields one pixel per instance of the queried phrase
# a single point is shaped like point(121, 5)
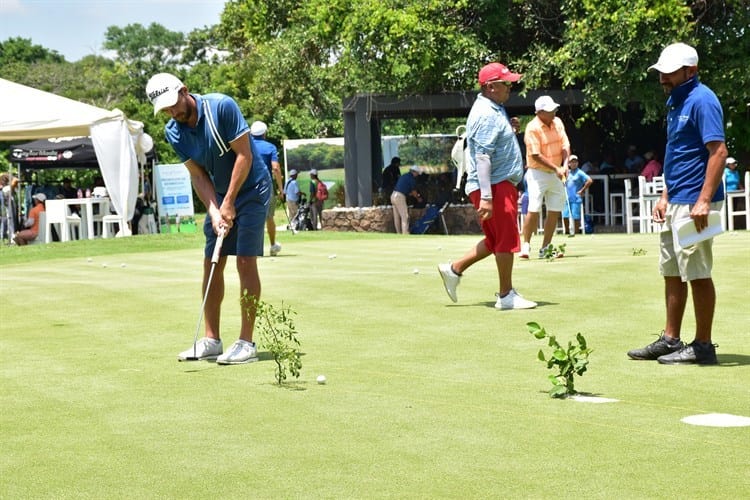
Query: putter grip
point(217, 246)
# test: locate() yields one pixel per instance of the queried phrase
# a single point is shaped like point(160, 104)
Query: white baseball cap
point(674, 57)
point(731, 160)
point(258, 128)
point(545, 103)
point(163, 90)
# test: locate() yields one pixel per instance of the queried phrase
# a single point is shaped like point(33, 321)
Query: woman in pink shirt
point(652, 168)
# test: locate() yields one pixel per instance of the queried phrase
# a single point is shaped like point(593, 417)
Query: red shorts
point(501, 230)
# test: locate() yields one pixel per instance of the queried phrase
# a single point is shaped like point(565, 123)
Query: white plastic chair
point(56, 212)
point(631, 201)
point(732, 197)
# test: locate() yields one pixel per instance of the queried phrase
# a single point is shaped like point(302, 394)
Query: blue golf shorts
point(575, 206)
point(246, 236)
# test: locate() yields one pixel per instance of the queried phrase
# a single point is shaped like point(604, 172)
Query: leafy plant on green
point(638, 252)
point(278, 334)
point(568, 362)
point(552, 252)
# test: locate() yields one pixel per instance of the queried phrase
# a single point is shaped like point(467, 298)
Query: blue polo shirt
point(694, 118)
point(266, 150)
point(220, 122)
point(489, 132)
point(406, 183)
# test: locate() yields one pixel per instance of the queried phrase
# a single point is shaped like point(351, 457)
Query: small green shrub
point(277, 333)
point(552, 252)
point(567, 362)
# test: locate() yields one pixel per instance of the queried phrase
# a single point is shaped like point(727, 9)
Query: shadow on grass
point(730, 360)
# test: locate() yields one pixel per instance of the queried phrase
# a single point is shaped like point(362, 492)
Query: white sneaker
point(241, 352)
point(205, 348)
point(450, 280)
point(275, 249)
point(525, 250)
point(513, 301)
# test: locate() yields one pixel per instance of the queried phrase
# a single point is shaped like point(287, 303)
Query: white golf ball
point(89, 259)
point(123, 265)
point(332, 256)
point(104, 265)
point(321, 379)
point(416, 271)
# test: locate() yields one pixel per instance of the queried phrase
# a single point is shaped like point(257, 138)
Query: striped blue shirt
point(220, 122)
point(488, 131)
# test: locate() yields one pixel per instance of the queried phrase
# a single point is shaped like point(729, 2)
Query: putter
point(570, 212)
point(214, 260)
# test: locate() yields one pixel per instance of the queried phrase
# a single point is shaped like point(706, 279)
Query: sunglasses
point(507, 84)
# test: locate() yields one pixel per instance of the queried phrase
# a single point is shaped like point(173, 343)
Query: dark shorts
point(501, 230)
point(246, 236)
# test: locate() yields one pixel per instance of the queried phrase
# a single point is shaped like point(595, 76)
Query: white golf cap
point(674, 57)
point(258, 128)
point(292, 173)
point(40, 197)
point(545, 103)
point(731, 160)
point(572, 157)
point(163, 90)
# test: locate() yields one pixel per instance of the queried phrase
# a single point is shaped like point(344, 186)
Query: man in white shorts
point(547, 151)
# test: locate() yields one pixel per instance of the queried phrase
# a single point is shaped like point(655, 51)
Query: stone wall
point(460, 219)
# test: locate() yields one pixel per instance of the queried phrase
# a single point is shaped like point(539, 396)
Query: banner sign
point(174, 192)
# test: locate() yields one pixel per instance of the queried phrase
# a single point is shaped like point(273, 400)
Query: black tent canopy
point(67, 152)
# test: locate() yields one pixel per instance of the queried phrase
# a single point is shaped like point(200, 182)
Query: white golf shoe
point(205, 349)
point(513, 301)
point(525, 250)
point(450, 280)
point(275, 249)
point(241, 352)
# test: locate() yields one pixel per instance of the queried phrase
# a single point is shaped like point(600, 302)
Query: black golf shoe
point(695, 353)
point(659, 347)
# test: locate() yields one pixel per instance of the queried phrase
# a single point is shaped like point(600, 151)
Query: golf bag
point(301, 220)
point(431, 214)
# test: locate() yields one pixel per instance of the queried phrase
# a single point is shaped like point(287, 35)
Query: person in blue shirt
point(292, 194)
point(732, 175)
point(405, 186)
point(210, 135)
point(270, 155)
point(693, 166)
point(575, 185)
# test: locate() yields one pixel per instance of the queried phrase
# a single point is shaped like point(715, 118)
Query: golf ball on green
point(321, 379)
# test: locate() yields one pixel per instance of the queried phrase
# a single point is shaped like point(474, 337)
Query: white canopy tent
point(119, 143)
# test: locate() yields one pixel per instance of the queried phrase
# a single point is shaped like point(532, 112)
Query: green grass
point(425, 398)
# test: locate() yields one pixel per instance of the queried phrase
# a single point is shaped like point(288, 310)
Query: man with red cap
point(494, 168)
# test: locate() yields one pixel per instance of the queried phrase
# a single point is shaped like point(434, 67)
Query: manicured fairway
point(424, 398)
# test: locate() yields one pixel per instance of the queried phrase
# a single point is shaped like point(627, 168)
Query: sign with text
point(174, 191)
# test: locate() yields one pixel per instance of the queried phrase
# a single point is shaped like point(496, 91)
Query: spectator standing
point(547, 150)
point(211, 136)
point(653, 167)
point(30, 229)
point(270, 155)
point(318, 196)
point(391, 174)
point(406, 186)
point(732, 175)
point(495, 167)
point(292, 194)
point(576, 184)
point(693, 165)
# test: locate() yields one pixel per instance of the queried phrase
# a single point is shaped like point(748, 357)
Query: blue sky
point(75, 28)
